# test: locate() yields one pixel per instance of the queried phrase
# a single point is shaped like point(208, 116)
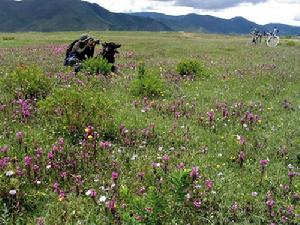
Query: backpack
point(70, 47)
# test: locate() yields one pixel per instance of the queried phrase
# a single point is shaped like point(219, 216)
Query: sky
point(259, 11)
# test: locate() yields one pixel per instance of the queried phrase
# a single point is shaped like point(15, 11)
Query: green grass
point(257, 78)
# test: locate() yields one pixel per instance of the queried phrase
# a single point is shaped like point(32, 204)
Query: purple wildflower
point(211, 116)
point(234, 207)
point(208, 185)
point(105, 144)
point(181, 165)
point(4, 149)
point(241, 158)
point(194, 173)
point(4, 162)
point(270, 203)
point(197, 203)
point(28, 161)
point(50, 155)
point(56, 187)
point(112, 206)
point(114, 176)
point(165, 158)
point(264, 163)
point(20, 136)
point(141, 175)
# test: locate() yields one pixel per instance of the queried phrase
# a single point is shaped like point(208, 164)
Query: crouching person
point(79, 50)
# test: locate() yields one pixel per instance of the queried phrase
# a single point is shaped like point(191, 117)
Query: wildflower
point(194, 173)
point(12, 192)
point(4, 162)
point(89, 130)
point(123, 129)
point(208, 185)
point(25, 107)
point(134, 157)
point(91, 193)
point(198, 186)
point(55, 148)
point(102, 198)
point(56, 187)
point(20, 136)
point(142, 190)
point(197, 203)
point(4, 149)
point(149, 209)
point(291, 175)
point(241, 139)
point(141, 175)
point(61, 141)
point(264, 162)
point(234, 208)
point(155, 165)
point(287, 104)
point(138, 218)
point(62, 195)
point(19, 171)
point(188, 196)
point(290, 209)
point(40, 221)
point(105, 144)
point(270, 203)
point(9, 173)
point(114, 176)
point(291, 167)
point(241, 158)
point(28, 161)
point(284, 219)
point(38, 152)
point(50, 155)
point(285, 187)
point(63, 174)
point(254, 194)
point(211, 116)
point(112, 206)
point(181, 165)
point(166, 158)
point(225, 112)
point(36, 168)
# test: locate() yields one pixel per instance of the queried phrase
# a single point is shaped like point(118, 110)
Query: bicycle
point(272, 40)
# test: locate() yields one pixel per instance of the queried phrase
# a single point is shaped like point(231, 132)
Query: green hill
point(65, 15)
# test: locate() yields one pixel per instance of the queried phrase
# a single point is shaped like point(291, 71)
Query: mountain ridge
point(77, 15)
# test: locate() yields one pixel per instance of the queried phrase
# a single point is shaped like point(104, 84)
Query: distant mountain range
point(72, 15)
point(211, 24)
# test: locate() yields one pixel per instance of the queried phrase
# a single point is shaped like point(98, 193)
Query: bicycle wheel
point(273, 41)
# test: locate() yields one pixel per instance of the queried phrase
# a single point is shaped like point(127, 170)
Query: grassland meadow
point(193, 129)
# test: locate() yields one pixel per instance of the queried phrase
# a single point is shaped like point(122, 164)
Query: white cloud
point(264, 11)
point(210, 4)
